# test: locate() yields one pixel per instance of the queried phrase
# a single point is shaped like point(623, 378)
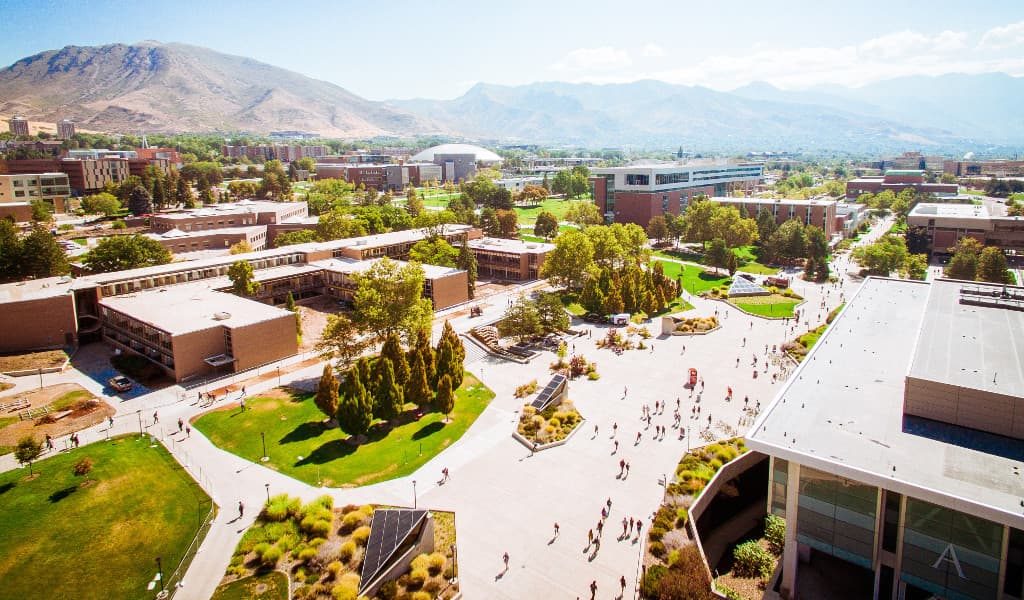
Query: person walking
point(156, 419)
point(590, 537)
point(630, 524)
point(593, 589)
point(622, 466)
point(622, 584)
point(241, 405)
point(615, 428)
point(49, 442)
point(188, 431)
point(556, 528)
point(505, 558)
point(241, 509)
point(616, 447)
point(181, 425)
point(624, 523)
point(110, 421)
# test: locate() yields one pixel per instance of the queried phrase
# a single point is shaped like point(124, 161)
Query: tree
point(448, 333)
point(243, 280)
point(120, 252)
point(139, 201)
point(413, 202)
point(448, 364)
point(445, 396)
point(992, 266)
point(592, 298)
point(340, 224)
point(241, 190)
point(392, 351)
point(241, 247)
point(183, 193)
point(718, 254)
point(101, 204)
point(355, 408)
point(417, 389)
point(729, 226)
point(489, 222)
point(788, 242)
point(887, 254)
point(467, 262)
point(521, 320)
point(41, 255)
point(275, 182)
point(817, 242)
point(389, 397)
point(389, 298)
point(532, 195)
point(698, 217)
point(341, 339)
point(508, 223)
point(27, 451)
point(290, 238)
point(583, 214)
point(657, 228)
point(434, 251)
point(10, 250)
point(290, 305)
point(964, 264)
point(326, 398)
point(947, 178)
point(546, 225)
point(569, 260)
point(613, 303)
point(426, 352)
point(432, 222)
point(608, 251)
point(915, 266)
point(551, 313)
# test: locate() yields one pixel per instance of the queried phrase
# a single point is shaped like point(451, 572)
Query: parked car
point(595, 318)
point(747, 276)
point(120, 383)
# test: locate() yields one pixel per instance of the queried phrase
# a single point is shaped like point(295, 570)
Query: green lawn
point(526, 237)
point(570, 300)
point(695, 279)
point(555, 206)
point(746, 256)
point(300, 446)
point(274, 586)
point(767, 306)
point(61, 540)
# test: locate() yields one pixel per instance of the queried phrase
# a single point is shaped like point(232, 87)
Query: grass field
point(695, 279)
point(267, 586)
point(62, 539)
point(746, 256)
point(300, 446)
point(767, 306)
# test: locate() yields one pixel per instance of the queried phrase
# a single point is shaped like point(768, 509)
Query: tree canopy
point(120, 252)
point(389, 299)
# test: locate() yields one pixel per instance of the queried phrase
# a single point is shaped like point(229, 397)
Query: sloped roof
point(391, 529)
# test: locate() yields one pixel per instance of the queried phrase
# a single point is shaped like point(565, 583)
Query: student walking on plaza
point(241, 509)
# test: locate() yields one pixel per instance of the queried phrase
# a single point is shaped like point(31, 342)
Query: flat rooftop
point(779, 201)
point(233, 208)
point(35, 289)
point(512, 246)
point(174, 234)
point(341, 265)
point(960, 211)
point(977, 347)
point(186, 308)
point(842, 410)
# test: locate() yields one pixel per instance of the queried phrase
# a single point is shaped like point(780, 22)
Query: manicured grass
point(570, 300)
point(695, 279)
point(300, 446)
point(555, 206)
point(526, 237)
point(60, 539)
point(746, 256)
point(758, 269)
point(274, 586)
point(69, 399)
point(767, 306)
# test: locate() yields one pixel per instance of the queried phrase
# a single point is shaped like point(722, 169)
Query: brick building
point(179, 242)
point(946, 224)
point(635, 194)
point(236, 214)
point(809, 212)
point(18, 191)
point(510, 260)
point(896, 181)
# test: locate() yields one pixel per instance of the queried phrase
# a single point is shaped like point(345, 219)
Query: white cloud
point(604, 58)
point(652, 51)
point(1007, 36)
point(904, 43)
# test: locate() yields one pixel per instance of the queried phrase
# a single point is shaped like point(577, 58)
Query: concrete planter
point(522, 440)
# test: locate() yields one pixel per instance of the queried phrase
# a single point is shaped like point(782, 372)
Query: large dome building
point(480, 155)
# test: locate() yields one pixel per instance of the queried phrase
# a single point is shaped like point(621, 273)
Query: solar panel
point(742, 287)
point(546, 395)
point(390, 529)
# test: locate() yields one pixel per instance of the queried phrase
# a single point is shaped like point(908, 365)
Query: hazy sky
point(439, 49)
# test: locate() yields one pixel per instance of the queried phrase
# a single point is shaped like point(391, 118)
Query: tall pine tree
point(467, 262)
point(392, 351)
point(355, 411)
point(326, 398)
point(390, 400)
point(425, 351)
point(445, 396)
point(417, 389)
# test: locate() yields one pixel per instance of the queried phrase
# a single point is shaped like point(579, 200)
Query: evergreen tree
point(139, 201)
point(417, 389)
point(392, 351)
point(355, 411)
point(613, 301)
point(448, 364)
point(460, 350)
point(290, 305)
point(389, 401)
point(992, 266)
point(445, 396)
point(326, 398)
point(591, 297)
point(367, 376)
point(425, 351)
point(467, 262)
point(413, 203)
point(183, 194)
point(10, 251)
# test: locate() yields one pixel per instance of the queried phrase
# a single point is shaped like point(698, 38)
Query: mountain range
point(150, 86)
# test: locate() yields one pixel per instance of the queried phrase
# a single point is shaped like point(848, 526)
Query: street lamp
point(139, 413)
point(414, 493)
point(267, 485)
point(455, 564)
point(160, 574)
point(263, 438)
point(278, 375)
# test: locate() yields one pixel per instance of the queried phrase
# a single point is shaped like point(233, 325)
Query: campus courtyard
point(505, 498)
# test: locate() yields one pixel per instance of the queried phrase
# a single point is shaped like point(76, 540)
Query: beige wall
point(190, 349)
point(37, 324)
point(977, 409)
point(450, 290)
point(264, 342)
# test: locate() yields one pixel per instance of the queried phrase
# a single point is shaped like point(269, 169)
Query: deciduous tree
point(389, 299)
point(243, 280)
point(120, 252)
point(992, 266)
point(569, 260)
point(546, 225)
point(341, 340)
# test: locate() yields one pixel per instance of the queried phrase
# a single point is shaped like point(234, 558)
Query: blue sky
point(439, 49)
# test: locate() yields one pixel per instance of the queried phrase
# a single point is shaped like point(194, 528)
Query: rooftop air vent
point(221, 316)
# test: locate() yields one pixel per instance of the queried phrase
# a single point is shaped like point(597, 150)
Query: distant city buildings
point(89, 170)
point(897, 180)
point(381, 177)
point(18, 126)
point(65, 129)
point(635, 194)
point(285, 153)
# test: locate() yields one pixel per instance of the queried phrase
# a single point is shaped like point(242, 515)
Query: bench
point(16, 405)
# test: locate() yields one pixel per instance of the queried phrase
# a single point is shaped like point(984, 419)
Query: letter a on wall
point(949, 555)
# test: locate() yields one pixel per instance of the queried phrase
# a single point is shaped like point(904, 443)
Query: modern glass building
point(897, 446)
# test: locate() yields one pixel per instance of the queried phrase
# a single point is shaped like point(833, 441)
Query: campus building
point(17, 192)
point(458, 162)
point(509, 260)
point(18, 126)
point(236, 214)
point(65, 129)
point(946, 224)
point(820, 212)
point(381, 177)
point(896, 447)
point(635, 194)
point(179, 242)
point(896, 181)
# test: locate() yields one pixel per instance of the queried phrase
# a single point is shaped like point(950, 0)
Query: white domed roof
point(481, 154)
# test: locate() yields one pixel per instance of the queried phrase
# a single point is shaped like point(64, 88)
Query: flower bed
point(695, 325)
point(553, 424)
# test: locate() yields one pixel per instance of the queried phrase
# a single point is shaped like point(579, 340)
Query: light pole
point(263, 438)
point(278, 375)
point(414, 493)
point(160, 573)
point(40, 378)
point(455, 563)
point(139, 413)
point(267, 485)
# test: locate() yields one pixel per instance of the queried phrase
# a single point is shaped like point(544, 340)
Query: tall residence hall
point(637, 193)
point(897, 446)
point(182, 317)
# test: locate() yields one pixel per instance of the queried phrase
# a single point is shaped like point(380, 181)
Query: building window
point(632, 179)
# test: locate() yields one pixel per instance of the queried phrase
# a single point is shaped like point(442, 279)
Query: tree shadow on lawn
point(308, 430)
point(335, 449)
point(428, 430)
point(62, 494)
point(6, 487)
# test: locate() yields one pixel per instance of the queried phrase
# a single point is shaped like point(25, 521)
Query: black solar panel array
point(545, 396)
point(389, 529)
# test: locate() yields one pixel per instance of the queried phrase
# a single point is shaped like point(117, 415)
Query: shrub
point(751, 560)
point(656, 534)
point(437, 563)
point(118, 224)
point(83, 466)
point(260, 548)
point(315, 542)
point(686, 578)
point(729, 593)
point(420, 562)
point(360, 535)
point(526, 389)
point(270, 556)
point(417, 577)
point(388, 590)
point(657, 549)
point(681, 517)
point(307, 554)
point(421, 595)
point(280, 508)
point(433, 586)
point(287, 542)
point(649, 585)
point(334, 567)
point(775, 533)
point(345, 591)
point(347, 551)
point(351, 521)
point(315, 526)
point(593, 376)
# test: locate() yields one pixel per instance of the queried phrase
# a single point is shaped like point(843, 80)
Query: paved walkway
point(505, 499)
